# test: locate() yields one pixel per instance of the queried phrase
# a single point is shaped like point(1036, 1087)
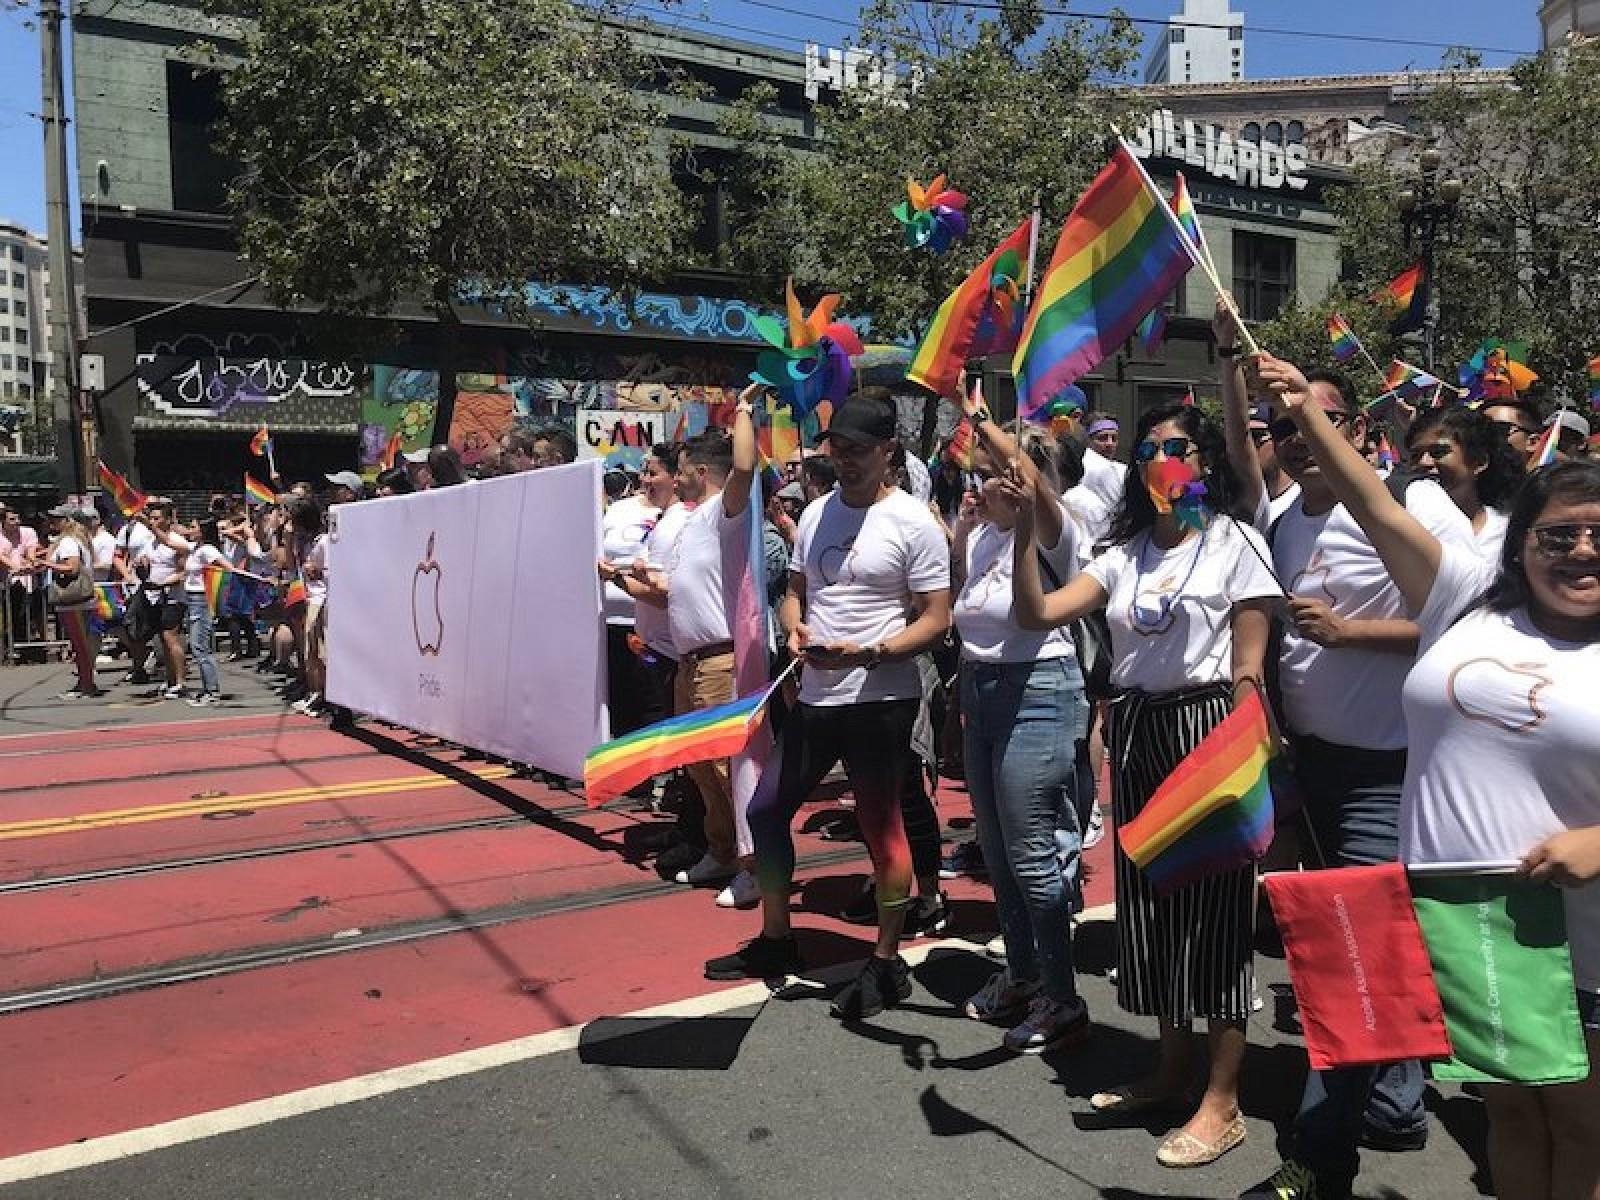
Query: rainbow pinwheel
point(810, 359)
point(1175, 488)
point(934, 216)
point(1498, 371)
point(1000, 325)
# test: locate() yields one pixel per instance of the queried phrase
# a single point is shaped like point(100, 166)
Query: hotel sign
point(1220, 155)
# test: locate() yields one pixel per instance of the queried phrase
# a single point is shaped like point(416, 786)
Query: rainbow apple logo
point(1499, 693)
point(427, 618)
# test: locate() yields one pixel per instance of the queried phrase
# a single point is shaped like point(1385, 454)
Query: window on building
point(1175, 34)
point(24, 391)
point(24, 364)
point(5, 305)
point(5, 333)
point(1263, 273)
point(200, 175)
point(1236, 33)
point(1251, 132)
point(22, 307)
point(18, 280)
point(16, 253)
point(22, 337)
point(1295, 131)
point(1274, 133)
point(5, 362)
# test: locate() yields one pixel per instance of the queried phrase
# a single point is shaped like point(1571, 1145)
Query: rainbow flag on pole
point(295, 594)
point(1345, 343)
point(1120, 253)
point(256, 492)
point(215, 578)
point(1594, 383)
point(611, 769)
point(1212, 814)
point(107, 601)
point(261, 443)
point(1545, 455)
point(982, 316)
point(128, 498)
point(1183, 208)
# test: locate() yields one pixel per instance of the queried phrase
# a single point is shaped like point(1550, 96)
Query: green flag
point(1498, 944)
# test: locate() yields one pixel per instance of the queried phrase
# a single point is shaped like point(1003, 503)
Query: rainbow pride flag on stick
point(128, 498)
point(215, 579)
point(611, 769)
point(108, 601)
point(256, 492)
point(1120, 253)
point(982, 316)
point(1346, 345)
point(1212, 814)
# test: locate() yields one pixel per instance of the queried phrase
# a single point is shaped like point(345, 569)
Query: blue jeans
point(1352, 809)
point(1023, 725)
point(201, 627)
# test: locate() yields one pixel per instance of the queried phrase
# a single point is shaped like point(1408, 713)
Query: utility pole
point(63, 382)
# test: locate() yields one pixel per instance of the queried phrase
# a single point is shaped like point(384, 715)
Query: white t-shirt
point(1170, 611)
point(652, 624)
point(1492, 537)
point(136, 541)
point(983, 610)
point(622, 532)
point(704, 575)
point(1349, 696)
point(317, 556)
point(105, 548)
point(1091, 512)
point(64, 551)
point(202, 556)
point(1104, 477)
point(862, 566)
point(1504, 731)
point(164, 567)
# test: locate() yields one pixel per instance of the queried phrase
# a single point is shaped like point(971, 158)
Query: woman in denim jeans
point(202, 620)
point(1025, 712)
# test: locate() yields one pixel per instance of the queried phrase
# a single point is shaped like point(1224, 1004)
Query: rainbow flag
point(982, 316)
point(261, 444)
point(1386, 455)
point(1407, 294)
point(1152, 330)
point(1183, 209)
point(1212, 814)
point(295, 594)
point(215, 578)
point(962, 446)
point(107, 601)
point(1594, 383)
point(129, 499)
point(1403, 380)
point(783, 434)
point(256, 492)
point(1345, 343)
point(1545, 455)
point(1119, 255)
point(609, 770)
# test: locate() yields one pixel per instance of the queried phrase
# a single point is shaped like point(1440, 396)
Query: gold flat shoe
point(1183, 1149)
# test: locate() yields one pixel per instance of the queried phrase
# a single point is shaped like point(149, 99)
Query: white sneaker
point(996, 948)
point(1096, 830)
point(707, 870)
point(308, 705)
point(1000, 999)
point(741, 893)
point(1049, 1023)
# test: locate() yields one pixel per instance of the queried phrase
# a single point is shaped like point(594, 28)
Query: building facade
point(24, 338)
point(1202, 44)
point(1562, 20)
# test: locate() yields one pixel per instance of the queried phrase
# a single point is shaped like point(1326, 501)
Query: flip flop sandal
point(1122, 1102)
point(1183, 1149)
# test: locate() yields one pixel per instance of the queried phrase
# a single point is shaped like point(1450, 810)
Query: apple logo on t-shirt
point(1315, 575)
point(1502, 694)
point(832, 560)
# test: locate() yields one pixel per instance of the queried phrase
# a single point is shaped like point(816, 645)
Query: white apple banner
point(473, 613)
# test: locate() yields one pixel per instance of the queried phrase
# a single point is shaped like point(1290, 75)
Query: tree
point(1010, 109)
point(1521, 260)
point(424, 150)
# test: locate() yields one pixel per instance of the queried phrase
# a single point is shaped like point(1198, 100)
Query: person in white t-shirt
point(1025, 717)
point(716, 474)
point(1102, 474)
point(1281, 491)
point(207, 553)
point(1503, 725)
point(1189, 611)
point(69, 552)
point(869, 590)
point(102, 542)
point(311, 553)
point(163, 586)
point(1462, 451)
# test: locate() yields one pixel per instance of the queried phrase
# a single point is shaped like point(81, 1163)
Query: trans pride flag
point(1120, 253)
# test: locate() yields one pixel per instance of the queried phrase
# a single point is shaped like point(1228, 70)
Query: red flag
point(1359, 966)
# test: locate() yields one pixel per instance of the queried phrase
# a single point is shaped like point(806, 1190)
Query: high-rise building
point(24, 330)
point(1202, 44)
point(1562, 20)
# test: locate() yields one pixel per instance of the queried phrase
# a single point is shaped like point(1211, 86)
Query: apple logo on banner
point(1501, 694)
point(427, 618)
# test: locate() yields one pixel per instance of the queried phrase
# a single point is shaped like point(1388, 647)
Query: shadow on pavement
point(664, 1043)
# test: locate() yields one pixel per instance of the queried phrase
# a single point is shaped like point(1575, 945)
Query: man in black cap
point(869, 589)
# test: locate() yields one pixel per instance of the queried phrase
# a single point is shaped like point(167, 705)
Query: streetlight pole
point(63, 378)
point(1426, 207)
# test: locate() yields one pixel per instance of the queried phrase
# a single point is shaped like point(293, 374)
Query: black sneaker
point(1401, 1141)
point(863, 910)
point(678, 858)
point(759, 958)
point(1294, 1180)
point(136, 678)
point(883, 983)
point(927, 916)
point(965, 859)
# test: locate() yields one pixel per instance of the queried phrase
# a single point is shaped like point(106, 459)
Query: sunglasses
point(1510, 427)
point(1145, 451)
point(1559, 541)
point(1438, 451)
point(1284, 429)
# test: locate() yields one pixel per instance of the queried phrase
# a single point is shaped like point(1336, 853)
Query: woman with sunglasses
point(1188, 597)
point(1462, 451)
point(1503, 725)
point(1024, 714)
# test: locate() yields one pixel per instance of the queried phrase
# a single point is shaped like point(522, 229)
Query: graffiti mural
point(205, 377)
point(651, 312)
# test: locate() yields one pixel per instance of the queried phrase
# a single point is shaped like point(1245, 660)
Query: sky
point(1494, 25)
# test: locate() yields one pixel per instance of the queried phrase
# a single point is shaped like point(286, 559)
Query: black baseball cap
point(862, 420)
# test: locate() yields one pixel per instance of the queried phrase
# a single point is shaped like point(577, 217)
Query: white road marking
point(117, 1146)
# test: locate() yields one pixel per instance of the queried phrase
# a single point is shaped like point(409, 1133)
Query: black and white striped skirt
point(1186, 955)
